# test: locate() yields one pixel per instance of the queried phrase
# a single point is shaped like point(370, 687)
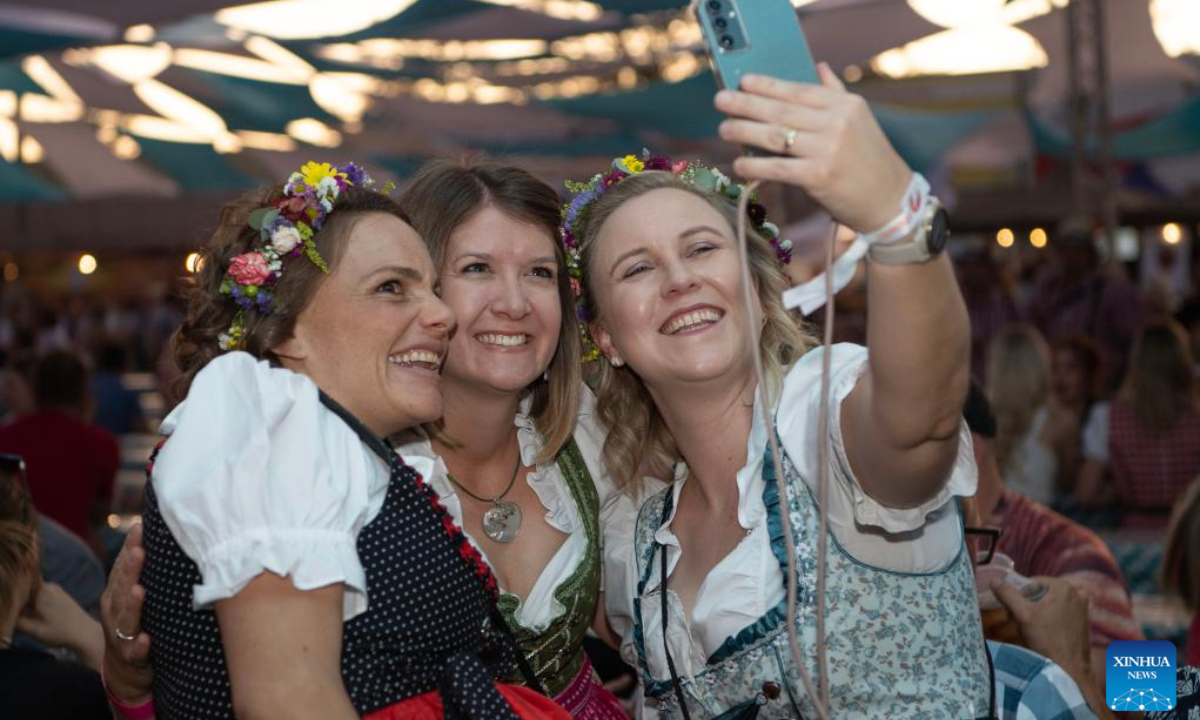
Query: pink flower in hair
point(249, 269)
point(679, 167)
point(576, 287)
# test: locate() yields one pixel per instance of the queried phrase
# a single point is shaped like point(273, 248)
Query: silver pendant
point(502, 521)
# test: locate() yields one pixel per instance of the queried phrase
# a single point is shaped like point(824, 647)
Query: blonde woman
point(1029, 428)
point(706, 618)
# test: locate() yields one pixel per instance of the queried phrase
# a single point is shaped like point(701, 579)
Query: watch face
point(939, 231)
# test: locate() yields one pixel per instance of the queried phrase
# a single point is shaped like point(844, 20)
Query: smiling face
point(500, 277)
point(374, 335)
point(667, 286)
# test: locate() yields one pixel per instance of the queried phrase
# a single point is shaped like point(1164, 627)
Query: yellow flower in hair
point(313, 173)
point(632, 164)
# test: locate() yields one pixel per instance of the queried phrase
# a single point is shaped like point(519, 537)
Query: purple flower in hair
point(783, 253)
point(658, 162)
point(757, 213)
point(356, 175)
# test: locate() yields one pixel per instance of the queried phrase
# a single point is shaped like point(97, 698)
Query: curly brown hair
point(209, 313)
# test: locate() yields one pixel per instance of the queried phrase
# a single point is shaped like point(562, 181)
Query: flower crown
point(286, 229)
point(705, 178)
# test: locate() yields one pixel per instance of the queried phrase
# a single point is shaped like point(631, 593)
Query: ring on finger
point(122, 636)
point(789, 138)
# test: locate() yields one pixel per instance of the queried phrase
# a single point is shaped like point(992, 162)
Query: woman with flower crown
point(705, 614)
point(515, 458)
point(295, 565)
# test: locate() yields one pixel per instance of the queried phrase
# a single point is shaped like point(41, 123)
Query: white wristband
point(810, 295)
point(912, 207)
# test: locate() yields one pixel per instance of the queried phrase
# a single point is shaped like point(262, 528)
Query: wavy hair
point(1018, 384)
point(446, 194)
point(209, 313)
point(637, 434)
point(1160, 381)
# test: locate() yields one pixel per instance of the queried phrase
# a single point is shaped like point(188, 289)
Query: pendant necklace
point(502, 521)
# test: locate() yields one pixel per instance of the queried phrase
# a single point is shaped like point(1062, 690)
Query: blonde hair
point(446, 194)
point(18, 560)
point(637, 434)
point(1160, 380)
point(1018, 384)
point(1181, 559)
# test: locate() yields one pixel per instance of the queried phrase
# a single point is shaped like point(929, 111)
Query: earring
point(616, 361)
point(546, 375)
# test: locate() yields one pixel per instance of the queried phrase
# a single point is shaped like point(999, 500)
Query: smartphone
point(754, 36)
point(762, 37)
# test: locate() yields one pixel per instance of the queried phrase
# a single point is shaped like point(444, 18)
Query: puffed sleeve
point(920, 538)
point(258, 476)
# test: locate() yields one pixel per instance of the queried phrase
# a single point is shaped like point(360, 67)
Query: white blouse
point(258, 476)
point(541, 607)
point(1034, 464)
point(747, 583)
point(1095, 433)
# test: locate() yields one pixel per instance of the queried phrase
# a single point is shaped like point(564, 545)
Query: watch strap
point(916, 248)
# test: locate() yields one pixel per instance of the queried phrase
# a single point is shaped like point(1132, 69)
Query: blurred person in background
point(33, 684)
point(1030, 425)
point(1150, 439)
point(66, 560)
point(1078, 294)
point(16, 386)
point(988, 292)
point(118, 408)
point(1181, 565)
point(1076, 383)
point(72, 464)
point(1042, 543)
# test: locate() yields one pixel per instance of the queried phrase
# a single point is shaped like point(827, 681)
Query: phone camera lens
point(726, 42)
point(720, 23)
point(714, 6)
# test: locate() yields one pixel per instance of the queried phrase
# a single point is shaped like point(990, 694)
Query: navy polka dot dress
point(427, 627)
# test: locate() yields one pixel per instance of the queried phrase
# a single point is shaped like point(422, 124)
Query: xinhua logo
point(1140, 675)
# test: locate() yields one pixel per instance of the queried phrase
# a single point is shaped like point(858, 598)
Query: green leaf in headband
point(705, 179)
point(257, 218)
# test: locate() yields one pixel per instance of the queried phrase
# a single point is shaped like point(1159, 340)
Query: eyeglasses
point(989, 538)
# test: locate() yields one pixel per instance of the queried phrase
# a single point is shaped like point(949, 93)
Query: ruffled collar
point(545, 480)
point(751, 510)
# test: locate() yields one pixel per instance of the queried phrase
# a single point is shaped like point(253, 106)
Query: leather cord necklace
point(502, 521)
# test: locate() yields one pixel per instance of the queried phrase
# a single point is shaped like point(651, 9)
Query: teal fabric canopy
point(1175, 133)
point(684, 109)
point(1172, 134)
point(923, 137)
point(19, 185)
point(197, 168)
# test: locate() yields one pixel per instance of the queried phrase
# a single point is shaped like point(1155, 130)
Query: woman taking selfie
point(654, 242)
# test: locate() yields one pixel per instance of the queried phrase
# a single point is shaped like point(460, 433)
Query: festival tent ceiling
point(163, 107)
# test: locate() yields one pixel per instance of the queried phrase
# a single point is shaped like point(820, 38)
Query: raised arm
point(283, 649)
point(900, 423)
